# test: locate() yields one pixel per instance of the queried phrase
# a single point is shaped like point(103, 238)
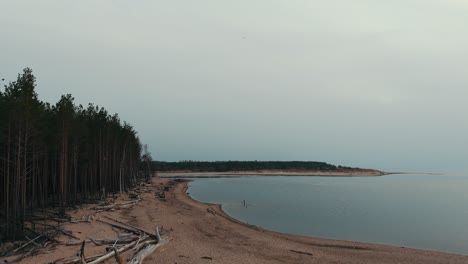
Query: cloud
point(361, 83)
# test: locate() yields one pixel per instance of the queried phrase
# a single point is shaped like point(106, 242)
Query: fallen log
point(81, 253)
point(34, 242)
point(140, 239)
point(158, 236)
point(68, 260)
point(112, 253)
point(118, 258)
point(74, 259)
point(76, 243)
point(144, 251)
point(125, 240)
point(112, 206)
point(147, 249)
point(23, 246)
point(94, 257)
point(68, 234)
point(120, 227)
point(18, 260)
point(100, 242)
point(301, 252)
point(134, 227)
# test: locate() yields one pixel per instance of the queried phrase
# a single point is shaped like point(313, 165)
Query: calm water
point(419, 211)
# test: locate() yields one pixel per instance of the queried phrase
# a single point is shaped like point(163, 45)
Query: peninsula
point(206, 169)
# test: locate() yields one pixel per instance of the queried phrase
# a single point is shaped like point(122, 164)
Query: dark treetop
point(58, 155)
point(223, 166)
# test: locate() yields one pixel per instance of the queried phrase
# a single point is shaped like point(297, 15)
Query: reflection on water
point(420, 211)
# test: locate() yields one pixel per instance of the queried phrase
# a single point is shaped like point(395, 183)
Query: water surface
point(411, 210)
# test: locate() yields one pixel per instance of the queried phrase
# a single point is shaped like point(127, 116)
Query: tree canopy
point(223, 166)
point(58, 155)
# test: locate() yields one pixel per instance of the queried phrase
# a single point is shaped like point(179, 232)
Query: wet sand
point(203, 233)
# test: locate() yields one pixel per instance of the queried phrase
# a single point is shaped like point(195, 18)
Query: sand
point(324, 173)
point(203, 233)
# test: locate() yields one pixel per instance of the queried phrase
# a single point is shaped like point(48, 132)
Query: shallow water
point(411, 210)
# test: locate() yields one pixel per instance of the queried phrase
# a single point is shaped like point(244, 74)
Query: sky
point(363, 83)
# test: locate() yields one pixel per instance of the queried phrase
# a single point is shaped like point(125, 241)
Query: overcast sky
point(370, 83)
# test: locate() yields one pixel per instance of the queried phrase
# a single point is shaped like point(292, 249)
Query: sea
point(423, 211)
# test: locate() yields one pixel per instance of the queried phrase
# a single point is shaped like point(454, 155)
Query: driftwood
point(75, 259)
point(120, 227)
point(68, 234)
point(125, 240)
point(76, 243)
point(17, 260)
point(117, 205)
point(32, 241)
point(112, 253)
point(147, 249)
point(118, 258)
point(301, 252)
point(68, 260)
point(158, 236)
point(82, 220)
point(211, 211)
point(162, 195)
point(140, 239)
point(23, 246)
point(143, 253)
point(94, 257)
point(81, 254)
point(134, 227)
point(100, 242)
point(144, 250)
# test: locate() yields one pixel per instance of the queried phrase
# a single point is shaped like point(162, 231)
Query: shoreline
point(204, 233)
point(315, 173)
point(339, 245)
point(219, 210)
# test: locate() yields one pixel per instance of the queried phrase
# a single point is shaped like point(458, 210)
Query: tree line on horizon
point(58, 155)
point(223, 166)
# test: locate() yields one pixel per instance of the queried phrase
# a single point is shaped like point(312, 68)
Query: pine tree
point(58, 155)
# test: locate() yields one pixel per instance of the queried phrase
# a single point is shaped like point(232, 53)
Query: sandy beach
point(203, 233)
point(324, 173)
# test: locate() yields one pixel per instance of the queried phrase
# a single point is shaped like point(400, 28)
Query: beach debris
point(81, 253)
point(117, 205)
point(23, 246)
point(211, 211)
point(48, 225)
point(301, 252)
point(154, 236)
point(149, 246)
point(112, 253)
point(68, 233)
point(208, 258)
point(118, 258)
point(162, 195)
point(143, 252)
point(83, 219)
point(141, 241)
point(67, 260)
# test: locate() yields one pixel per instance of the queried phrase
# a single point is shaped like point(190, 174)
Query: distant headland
point(202, 169)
